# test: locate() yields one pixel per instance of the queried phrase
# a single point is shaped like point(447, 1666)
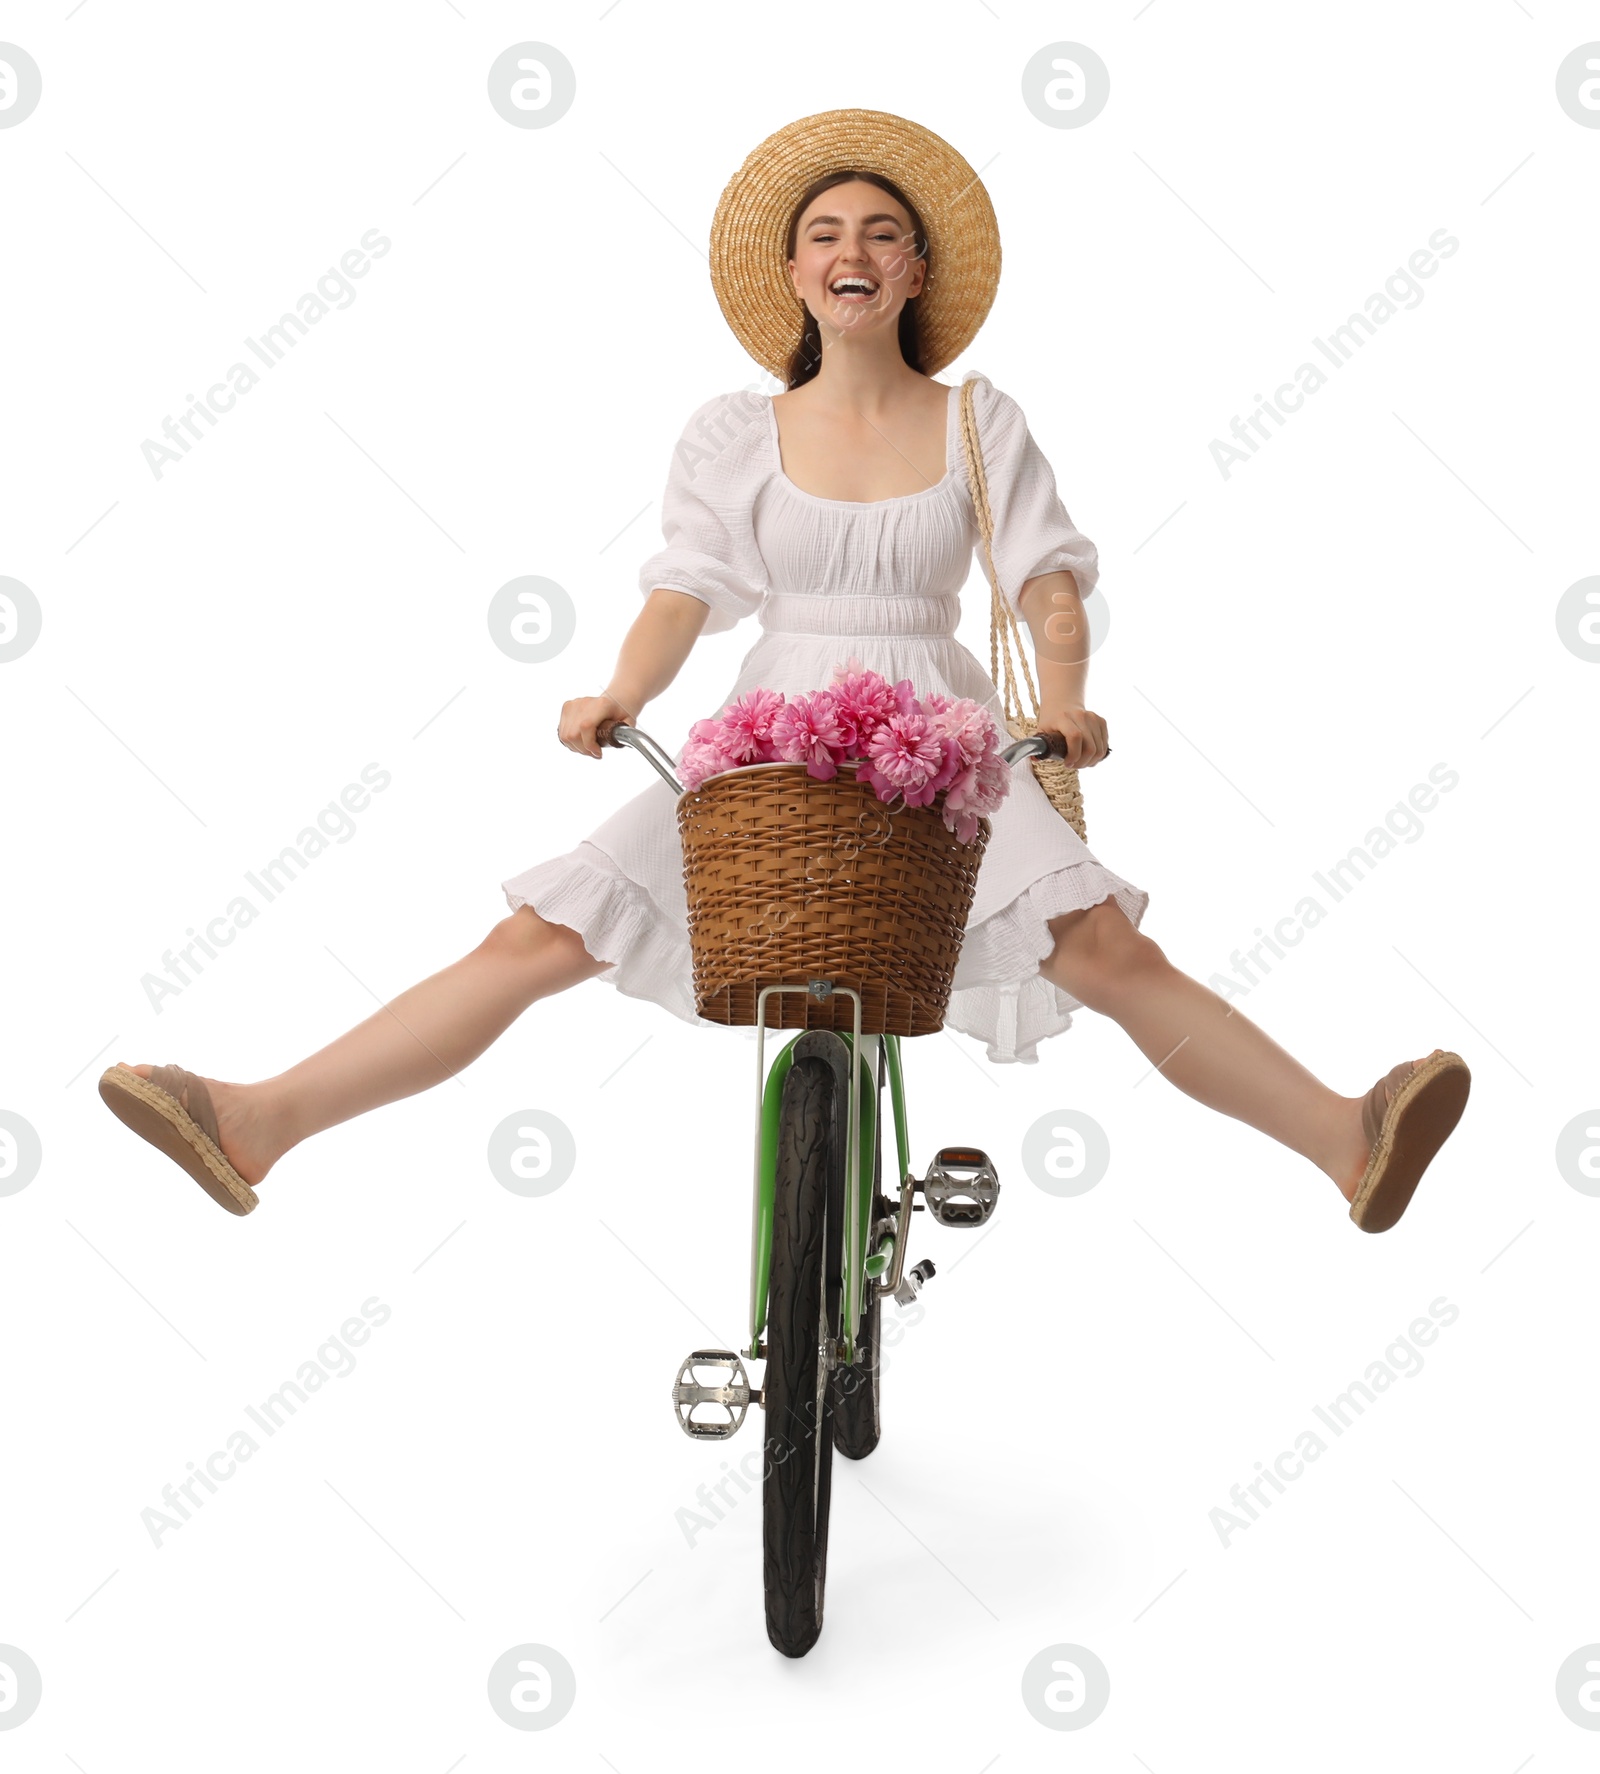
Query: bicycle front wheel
point(802, 1310)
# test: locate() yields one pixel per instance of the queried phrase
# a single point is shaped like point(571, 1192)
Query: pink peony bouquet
point(907, 747)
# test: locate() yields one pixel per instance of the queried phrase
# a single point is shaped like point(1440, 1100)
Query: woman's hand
point(1084, 731)
point(582, 716)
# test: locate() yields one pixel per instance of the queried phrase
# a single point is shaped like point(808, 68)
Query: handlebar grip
point(1058, 744)
point(606, 732)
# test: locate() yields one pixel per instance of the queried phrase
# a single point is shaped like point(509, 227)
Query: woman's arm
point(1060, 630)
point(650, 657)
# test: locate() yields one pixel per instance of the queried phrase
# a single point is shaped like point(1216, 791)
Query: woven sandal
point(1406, 1116)
point(154, 1108)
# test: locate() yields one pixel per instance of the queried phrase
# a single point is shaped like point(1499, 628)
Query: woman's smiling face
point(854, 266)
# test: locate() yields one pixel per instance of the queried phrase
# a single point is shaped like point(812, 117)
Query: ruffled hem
point(646, 952)
point(999, 995)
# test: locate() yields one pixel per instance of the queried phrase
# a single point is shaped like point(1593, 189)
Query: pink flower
point(862, 701)
point(808, 731)
point(958, 795)
point(701, 758)
point(975, 793)
point(904, 758)
point(708, 732)
point(748, 726)
point(964, 825)
point(968, 723)
point(994, 779)
point(953, 764)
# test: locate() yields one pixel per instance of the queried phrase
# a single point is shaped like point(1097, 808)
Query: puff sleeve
point(711, 551)
point(1032, 532)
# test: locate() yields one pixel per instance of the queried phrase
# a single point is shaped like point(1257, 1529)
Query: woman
point(840, 512)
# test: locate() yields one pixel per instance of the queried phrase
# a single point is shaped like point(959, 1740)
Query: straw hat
point(749, 231)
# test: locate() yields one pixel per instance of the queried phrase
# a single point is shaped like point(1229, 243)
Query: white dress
point(828, 580)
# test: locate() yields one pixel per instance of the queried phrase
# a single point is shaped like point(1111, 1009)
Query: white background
point(1292, 648)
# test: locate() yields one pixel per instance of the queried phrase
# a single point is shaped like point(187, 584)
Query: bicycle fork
point(960, 1190)
point(727, 1383)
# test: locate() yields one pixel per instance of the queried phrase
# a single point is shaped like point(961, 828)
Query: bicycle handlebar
point(618, 734)
point(1041, 745)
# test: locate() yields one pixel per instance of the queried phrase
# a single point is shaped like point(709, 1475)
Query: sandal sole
point(1419, 1120)
point(160, 1118)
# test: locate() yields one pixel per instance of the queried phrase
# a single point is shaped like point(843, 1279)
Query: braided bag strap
point(1006, 648)
point(1005, 640)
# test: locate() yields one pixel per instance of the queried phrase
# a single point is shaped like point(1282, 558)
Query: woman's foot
point(1356, 1142)
point(249, 1133)
point(1404, 1119)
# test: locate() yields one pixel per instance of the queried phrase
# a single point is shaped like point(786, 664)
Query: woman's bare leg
point(426, 1035)
point(1200, 1043)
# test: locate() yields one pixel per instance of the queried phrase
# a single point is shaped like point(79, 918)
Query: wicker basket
point(791, 880)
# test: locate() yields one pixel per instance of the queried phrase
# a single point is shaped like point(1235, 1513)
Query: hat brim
point(749, 271)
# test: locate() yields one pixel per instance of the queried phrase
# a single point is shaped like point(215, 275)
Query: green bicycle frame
point(868, 1135)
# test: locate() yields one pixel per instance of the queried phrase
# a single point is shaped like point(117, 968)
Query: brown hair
point(806, 358)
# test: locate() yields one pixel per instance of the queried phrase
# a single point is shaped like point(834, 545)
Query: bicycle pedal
point(961, 1187)
point(690, 1391)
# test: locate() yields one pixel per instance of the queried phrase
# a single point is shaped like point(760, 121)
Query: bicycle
point(818, 1273)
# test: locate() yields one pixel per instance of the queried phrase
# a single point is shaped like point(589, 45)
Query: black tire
point(802, 1308)
point(857, 1425)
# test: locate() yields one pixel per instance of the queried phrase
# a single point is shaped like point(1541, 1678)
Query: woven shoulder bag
point(1006, 649)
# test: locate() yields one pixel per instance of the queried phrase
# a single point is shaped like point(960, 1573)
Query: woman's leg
point(1203, 1045)
point(426, 1035)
